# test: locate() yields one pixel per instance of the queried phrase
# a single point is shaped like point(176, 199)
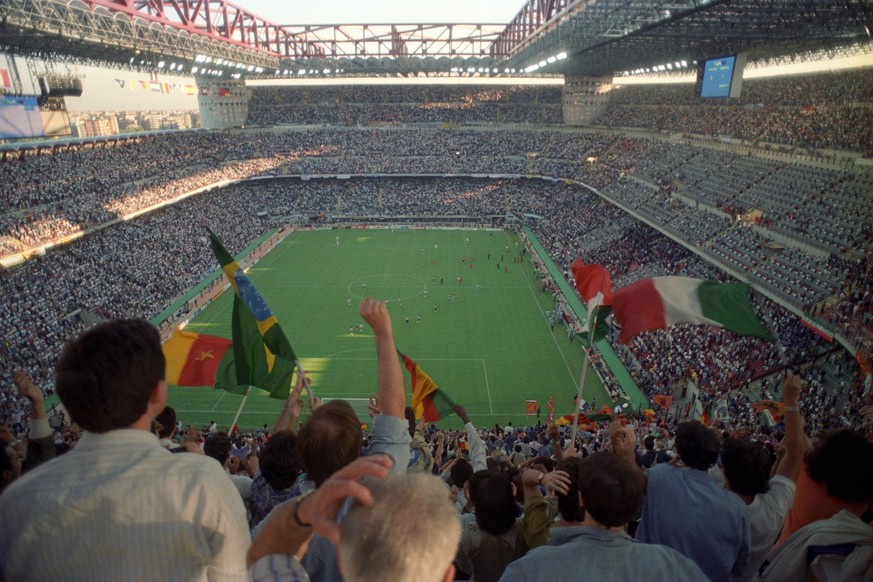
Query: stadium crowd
point(815, 111)
point(494, 503)
point(411, 104)
point(101, 274)
point(608, 235)
point(797, 231)
point(686, 190)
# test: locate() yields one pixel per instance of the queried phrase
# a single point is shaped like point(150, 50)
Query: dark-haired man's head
point(696, 445)
point(167, 420)
point(611, 490)
point(280, 463)
point(494, 499)
point(746, 466)
point(568, 503)
point(649, 443)
point(460, 472)
point(330, 440)
point(843, 462)
point(112, 375)
point(217, 446)
point(547, 463)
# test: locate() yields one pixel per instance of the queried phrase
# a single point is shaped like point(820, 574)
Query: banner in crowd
point(530, 407)
point(662, 400)
point(818, 328)
point(776, 409)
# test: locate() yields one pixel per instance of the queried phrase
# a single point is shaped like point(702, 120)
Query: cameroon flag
point(428, 401)
point(193, 358)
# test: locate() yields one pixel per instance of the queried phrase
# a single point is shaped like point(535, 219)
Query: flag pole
point(239, 410)
point(582, 377)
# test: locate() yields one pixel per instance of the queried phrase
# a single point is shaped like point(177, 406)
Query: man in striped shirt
point(119, 506)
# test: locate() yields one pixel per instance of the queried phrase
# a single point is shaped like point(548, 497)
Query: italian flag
point(592, 283)
point(595, 287)
point(659, 302)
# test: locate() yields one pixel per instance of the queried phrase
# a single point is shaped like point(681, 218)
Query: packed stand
point(379, 104)
point(817, 111)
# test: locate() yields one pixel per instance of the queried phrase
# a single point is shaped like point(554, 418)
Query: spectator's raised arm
point(474, 441)
point(293, 405)
point(791, 462)
point(40, 433)
point(392, 396)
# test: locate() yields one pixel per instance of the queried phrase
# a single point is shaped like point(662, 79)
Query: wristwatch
point(295, 513)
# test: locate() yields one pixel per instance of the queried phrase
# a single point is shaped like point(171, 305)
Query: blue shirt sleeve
point(391, 437)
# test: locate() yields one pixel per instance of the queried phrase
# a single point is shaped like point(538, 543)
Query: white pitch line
point(223, 392)
point(487, 386)
point(560, 351)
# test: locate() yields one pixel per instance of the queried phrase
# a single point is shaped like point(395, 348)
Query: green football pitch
point(472, 317)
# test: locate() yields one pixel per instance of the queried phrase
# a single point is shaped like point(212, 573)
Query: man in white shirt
point(119, 506)
point(747, 469)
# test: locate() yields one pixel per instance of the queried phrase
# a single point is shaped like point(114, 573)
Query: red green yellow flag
point(428, 401)
point(193, 359)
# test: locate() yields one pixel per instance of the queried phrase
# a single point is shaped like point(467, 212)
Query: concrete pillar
point(223, 103)
point(584, 98)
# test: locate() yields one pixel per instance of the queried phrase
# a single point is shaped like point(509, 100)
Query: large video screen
point(19, 117)
point(24, 116)
point(717, 76)
point(721, 77)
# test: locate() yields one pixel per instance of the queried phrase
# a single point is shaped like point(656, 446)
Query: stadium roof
point(605, 37)
point(598, 37)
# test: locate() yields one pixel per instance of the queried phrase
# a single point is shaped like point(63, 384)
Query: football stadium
point(546, 251)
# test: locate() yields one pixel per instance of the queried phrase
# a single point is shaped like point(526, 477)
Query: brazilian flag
point(262, 355)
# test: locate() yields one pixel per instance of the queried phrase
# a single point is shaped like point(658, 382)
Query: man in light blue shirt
point(331, 438)
point(687, 510)
point(610, 490)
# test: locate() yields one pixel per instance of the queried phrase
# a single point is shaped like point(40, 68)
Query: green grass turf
point(490, 351)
